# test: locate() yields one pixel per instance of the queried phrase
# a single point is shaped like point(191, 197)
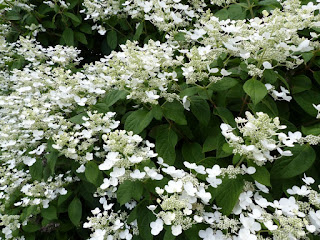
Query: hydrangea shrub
point(169, 119)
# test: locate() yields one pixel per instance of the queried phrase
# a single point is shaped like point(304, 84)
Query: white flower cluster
point(164, 14)
point(286, 218)
point(183, 199)
point(146, 72)
point(124, 151)
point(261, 43)
point(260, 138)
point(108, 224)
point(74, 143)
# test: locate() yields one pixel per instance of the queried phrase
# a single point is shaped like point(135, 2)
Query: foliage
point(159, 119)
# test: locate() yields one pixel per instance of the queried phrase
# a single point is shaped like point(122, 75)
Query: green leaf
point(261, 175)
point(144, 220)
point(228, 193)
point(49, 213)
point(86, 28)
point(223, 84)
point(300, 83)
point(13, 15)
point(200, 109)
point(225, 115)
point(307, 56)
point(267, 105)
point(81, 37)
point(93, 174)
point(255, 89)
point(51, 160)
point(270, 76)
point(157, 112)
point(166, 140)
point(72, 16)
point(180, 36)
point(129, 190)
point(311, 130)
point(174, 111)
point(236, 12)
point(306, 99)
point(192, 152)
point(78, 118)
point(168, 235)
point(68, 37)
point(287, 167)
point(211, 142)
point(138, 120)
point(31, 227)
point(138, 31)
point(112, 39)
point(75, 211)
point(114, 96)
point(36, 170)
point(222, 14)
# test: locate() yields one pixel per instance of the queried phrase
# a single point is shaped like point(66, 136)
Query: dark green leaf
point(68, 37)
point(129, 190)
point(75, 211)
point(138, 120)
point(225, 115)
point(174, 111)
point(49, 213)
point(72, 16)
point(223, 84)
point(138, 31)
point(313, 129)
point(261, 175)
point(13, 15)
point(306, 99)
point(36, 170)
point(166, 140)
point(228, 194)
point(200, 109)
point(112, 39)
point(81, 37)
point(144, 220)
point(157, 112)
point(86, 28)
point(270, 76)
point(192, 152)
point(114, 96)
point(288, 167)
point(93, 174)
point(51, 161)
point(300, 83)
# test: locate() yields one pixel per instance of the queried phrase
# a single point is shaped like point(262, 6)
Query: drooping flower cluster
point(260, 138)
point(165, 14)
point(108, 224)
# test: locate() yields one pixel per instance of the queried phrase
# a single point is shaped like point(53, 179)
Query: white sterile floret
point(317, 107)
point(303, 191)
point(156, 226)
point(249, 223)
point(174, 186)
point(136, 174)
point(261, 187)
point(176, 230)
point(307, 180)
point(245, 234)
point(190, 189)
point(186, 103)
point(267, 65)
